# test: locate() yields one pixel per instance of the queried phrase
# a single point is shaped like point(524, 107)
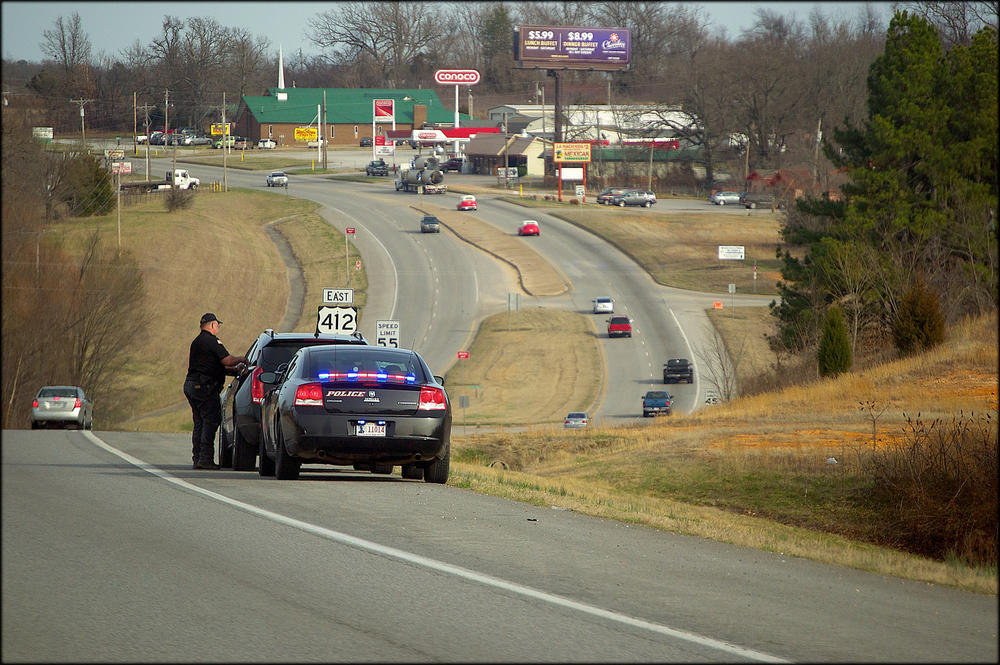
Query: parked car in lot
point(156, 138)
point(604, 305)
point(241, 143)
point(239, 433)
point(62, 406)
point(141, 139)
point(656, 403)
point(634, 197)
point(377, 167)
point(608, 194)
point(266, 144)
point(430, 224)
point(277, 179)
point(366, 142)
point(529, 227)
point(196, 140)
point(725, 198)
point(372, 407)
point(227, 141)
point(619, 326)
point(576, 419)
point(316, 144)
point(676, 370)
point(453, 164)
point(468, 202)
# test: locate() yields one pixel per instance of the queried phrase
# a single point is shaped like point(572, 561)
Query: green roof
point(345, 105)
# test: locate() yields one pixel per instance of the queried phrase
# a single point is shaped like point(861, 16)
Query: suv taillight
point(34, 404)
point(309, 394)
point(256, 387)
point(431, 399)
point(77, 404)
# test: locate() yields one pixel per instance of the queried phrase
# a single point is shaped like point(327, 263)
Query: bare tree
point(718, 365)
point(67, 44)
point(956, 21)
point(247, 62)
point(392, 35)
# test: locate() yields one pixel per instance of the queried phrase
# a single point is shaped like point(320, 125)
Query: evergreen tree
point(919, 324)
point(923, 182)
point(834, 355)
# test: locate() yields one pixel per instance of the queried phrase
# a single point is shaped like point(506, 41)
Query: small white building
point(594, 122)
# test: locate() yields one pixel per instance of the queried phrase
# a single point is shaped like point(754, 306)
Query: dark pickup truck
point(676, 370)
point(378, 167)
point(655, 403)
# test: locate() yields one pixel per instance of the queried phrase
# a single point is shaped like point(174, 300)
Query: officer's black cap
point(208, 318)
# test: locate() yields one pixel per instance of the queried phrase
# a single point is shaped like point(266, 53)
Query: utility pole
point(146, 108)
point(225, 145)
point(506, 180)
point(83, 130)
point(322, 127)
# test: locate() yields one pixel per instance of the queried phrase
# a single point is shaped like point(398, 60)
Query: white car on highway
point(604, 305)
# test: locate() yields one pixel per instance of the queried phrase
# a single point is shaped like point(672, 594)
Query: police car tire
point(242, 455)
point(266, 464)
point(437, 470)
point(225, 450)
point(286, 467)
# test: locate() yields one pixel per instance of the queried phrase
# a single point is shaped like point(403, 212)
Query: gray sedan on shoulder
point(62, 406)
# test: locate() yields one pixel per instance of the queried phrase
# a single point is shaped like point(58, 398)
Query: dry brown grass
point(682, 250)
point(533, 366)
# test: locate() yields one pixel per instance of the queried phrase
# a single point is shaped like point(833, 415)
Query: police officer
point(208, 364)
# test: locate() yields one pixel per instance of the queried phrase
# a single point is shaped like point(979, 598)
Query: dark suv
point(377, 167)
point(453, 164)
point(609, 193)
point(239, 434)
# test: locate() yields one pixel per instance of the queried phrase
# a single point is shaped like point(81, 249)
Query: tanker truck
point(422, 177)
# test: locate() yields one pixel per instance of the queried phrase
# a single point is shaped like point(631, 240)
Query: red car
point(468, 202)
point(529, 227)
point(619, 326)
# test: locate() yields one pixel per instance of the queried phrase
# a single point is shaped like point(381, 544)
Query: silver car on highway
point(62, 406)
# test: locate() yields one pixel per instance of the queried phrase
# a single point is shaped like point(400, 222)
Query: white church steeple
point(281, 94)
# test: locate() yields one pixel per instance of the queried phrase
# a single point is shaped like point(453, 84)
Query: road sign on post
point(387, 333)
point(338, 296)
point(337, 320)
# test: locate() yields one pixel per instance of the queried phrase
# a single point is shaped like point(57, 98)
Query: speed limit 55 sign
point(337, 320)
point(387, 333)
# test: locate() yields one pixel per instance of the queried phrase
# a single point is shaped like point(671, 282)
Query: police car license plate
point(369, 429)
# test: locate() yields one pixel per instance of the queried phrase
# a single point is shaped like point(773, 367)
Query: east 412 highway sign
point(337, 320)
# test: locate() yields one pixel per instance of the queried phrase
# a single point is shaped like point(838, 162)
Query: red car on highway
point(619, 326)
point(468, 202)
point(529, 227)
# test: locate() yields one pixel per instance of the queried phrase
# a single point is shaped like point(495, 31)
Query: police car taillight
point(256, 387)
point(431, 399)
point(309, 394)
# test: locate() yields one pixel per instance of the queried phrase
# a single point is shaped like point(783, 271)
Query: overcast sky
point(112, 26)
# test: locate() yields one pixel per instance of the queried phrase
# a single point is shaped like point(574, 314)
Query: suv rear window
point(279, 352)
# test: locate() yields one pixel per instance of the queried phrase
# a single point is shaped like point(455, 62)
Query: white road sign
point(337, 320)
point(731, 252)
point(387, 333)
point(338, 296)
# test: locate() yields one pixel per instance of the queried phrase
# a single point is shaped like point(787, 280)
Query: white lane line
point(440, 566)
point(697, 376)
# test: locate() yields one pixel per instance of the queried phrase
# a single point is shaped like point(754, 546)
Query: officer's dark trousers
point(207, 412)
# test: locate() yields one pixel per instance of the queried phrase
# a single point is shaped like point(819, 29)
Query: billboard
point(560, 47)
point(306, 133)
point(571, 152)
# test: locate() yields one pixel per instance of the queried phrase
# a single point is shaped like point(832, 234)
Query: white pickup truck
point(179, 178)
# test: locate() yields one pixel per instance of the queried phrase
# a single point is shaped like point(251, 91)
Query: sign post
point(457, 77)
point(347, 261)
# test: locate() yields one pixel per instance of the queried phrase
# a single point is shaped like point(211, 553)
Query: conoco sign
point(456, 77)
